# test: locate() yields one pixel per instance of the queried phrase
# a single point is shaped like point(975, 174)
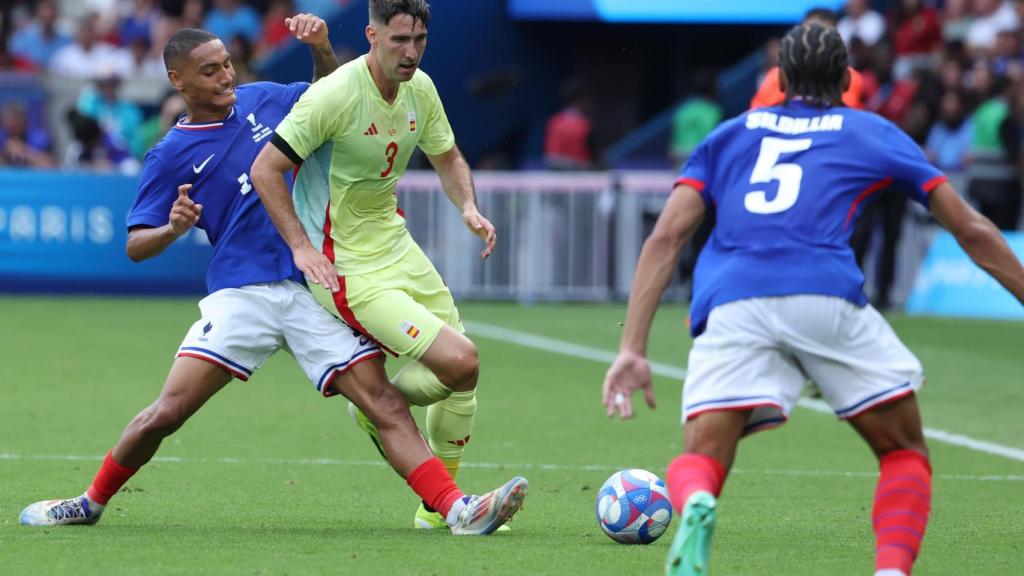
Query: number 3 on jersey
point(767, 169)
point(391, 152)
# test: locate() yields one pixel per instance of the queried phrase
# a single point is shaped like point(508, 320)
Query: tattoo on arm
point(324, 61)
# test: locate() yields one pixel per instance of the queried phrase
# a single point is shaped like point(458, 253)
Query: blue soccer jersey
point(215, 158)
point(788, 183)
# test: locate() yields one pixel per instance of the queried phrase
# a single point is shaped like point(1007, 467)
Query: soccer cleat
point(364, 423)
point(427, 520)
point(78, 510)
point(688, 555)
point(484, 514)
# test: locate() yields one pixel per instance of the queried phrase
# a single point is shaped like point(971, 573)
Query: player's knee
point(465, 369)
point(160, 420)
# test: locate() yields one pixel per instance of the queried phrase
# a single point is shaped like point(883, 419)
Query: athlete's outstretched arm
point(268, 178)
point(630, 372)
point(979, 237)
point(312, 30)
point(144, 242)
point(457, 181)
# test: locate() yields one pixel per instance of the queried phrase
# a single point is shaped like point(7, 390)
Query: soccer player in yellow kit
point(353, 134)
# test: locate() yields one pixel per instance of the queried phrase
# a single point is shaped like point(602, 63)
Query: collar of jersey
point(375, 90)
point(206, 125)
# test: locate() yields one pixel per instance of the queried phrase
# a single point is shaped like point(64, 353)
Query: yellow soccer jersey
point(354, 148)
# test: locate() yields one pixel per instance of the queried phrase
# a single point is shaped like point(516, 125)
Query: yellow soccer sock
point(449, 426)
point(419, 385)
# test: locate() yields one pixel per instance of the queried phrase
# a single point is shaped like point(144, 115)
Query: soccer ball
point(633, 507)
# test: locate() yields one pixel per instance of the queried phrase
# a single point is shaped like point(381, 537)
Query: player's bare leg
point(695, 480)
point(366, 385)
point(903, 495)
point(190, 383)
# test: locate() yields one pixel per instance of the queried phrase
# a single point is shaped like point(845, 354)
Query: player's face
point(207, 79)
point(399, 46)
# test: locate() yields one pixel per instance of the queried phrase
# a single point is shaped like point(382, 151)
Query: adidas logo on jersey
point(372, 130)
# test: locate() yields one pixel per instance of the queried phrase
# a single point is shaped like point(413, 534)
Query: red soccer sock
point(690, 473)
point(900, 514)
point(109, 479)
point(432, 482)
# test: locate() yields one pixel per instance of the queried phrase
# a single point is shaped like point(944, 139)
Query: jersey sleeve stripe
point(934, 183)
point(285, 148)
point(692, 183)
point(867, 193)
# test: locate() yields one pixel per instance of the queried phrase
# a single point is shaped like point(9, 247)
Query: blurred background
point(574, 114)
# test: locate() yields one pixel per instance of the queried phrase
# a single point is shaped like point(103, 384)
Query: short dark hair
point(813, 58)
point(182, 43)
point(384, 10)
point(822, 15)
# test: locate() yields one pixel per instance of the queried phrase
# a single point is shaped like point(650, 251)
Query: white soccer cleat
point(78, 510)
point(485, 514)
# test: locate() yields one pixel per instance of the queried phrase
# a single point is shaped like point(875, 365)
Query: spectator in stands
point(93, 149)
point(949, 140)
point(119, 118)
point(171, 110)
point(20, 144)
point(1005, 209)
point(916, 37)
point(86, 55)
point(695, 118)
point(139, 23)
point(229, 18)
point(860, 21)
point(892, 96)
point(995, 184)
point(138, 61)
point(241, 51)
point(567, 140)
point(42, 38)
point(1007, 59)
point(956, 20)
point(990, 16)
point(275, 32)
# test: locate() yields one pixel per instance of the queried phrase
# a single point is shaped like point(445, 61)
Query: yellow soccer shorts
point(401, 307)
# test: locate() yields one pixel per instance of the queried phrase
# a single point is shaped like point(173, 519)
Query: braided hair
point(813, 59)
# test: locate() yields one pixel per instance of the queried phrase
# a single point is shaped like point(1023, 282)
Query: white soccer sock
point(890, 572)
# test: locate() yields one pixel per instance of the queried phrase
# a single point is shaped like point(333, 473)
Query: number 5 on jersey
point(767, 169)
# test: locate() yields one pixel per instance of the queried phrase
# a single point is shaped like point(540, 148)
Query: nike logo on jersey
point(198, 169)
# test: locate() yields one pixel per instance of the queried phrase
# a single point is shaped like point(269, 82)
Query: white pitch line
point(565, 348)
point(483, 465)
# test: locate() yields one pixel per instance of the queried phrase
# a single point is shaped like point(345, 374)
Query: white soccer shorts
point(758, 353)
point(241, 327)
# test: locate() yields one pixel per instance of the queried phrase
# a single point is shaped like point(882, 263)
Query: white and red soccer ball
point(633, 507)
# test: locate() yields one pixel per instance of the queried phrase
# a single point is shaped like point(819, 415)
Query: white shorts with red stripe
point(758, 353)
point(241, 327)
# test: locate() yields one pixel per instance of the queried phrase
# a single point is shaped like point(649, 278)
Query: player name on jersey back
point(790, 125)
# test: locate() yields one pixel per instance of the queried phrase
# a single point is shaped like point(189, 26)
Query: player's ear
point(783, 84)
point(174, 79)
point(371, 34)
point(846, 80)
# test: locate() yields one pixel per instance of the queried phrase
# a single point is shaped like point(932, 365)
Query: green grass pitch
point(270, 479)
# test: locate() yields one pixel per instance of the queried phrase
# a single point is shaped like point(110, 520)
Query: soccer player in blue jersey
point(778, 296)
point(258, 303)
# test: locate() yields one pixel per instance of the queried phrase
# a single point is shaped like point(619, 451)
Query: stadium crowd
point(949, 72)
point(103, 65)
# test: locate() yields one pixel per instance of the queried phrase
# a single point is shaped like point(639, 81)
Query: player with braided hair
point(778, 297)
point(771, 92)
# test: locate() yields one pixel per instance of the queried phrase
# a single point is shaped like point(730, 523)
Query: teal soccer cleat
point(691, 546)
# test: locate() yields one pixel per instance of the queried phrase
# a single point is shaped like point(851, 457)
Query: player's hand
point(307, 28)
point(630, 372)
point(483, 229)
point(317, 268)
point(184, 212)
